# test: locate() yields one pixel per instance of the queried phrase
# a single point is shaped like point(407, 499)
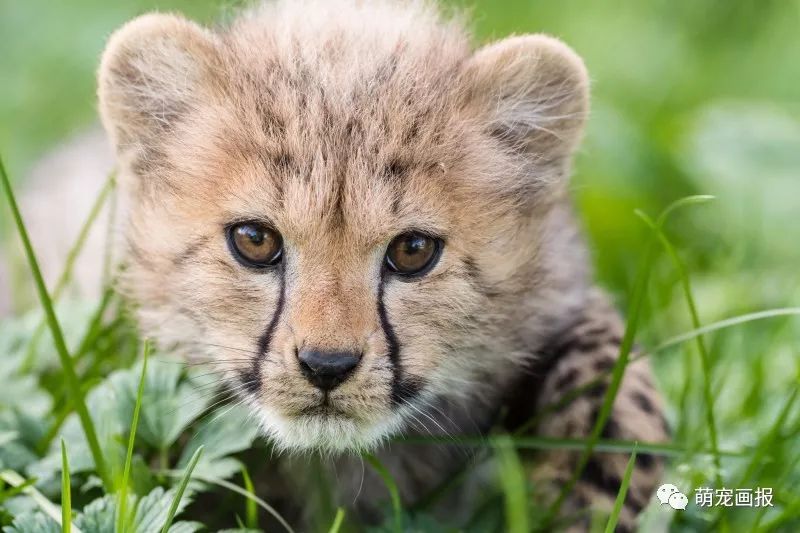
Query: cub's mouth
point(328, 401)
point(327, 428)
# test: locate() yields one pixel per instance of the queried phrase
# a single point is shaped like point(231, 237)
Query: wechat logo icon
point(669, 494)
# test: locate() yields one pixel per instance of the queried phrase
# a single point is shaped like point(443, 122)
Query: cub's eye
point(413, 254)
point(255, 245)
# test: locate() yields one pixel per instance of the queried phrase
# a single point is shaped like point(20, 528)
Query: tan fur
point(344, 124)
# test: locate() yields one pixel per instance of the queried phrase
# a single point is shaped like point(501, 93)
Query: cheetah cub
point(366, 223)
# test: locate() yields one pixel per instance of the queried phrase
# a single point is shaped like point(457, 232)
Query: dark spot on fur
point(272, 125)
point(397, 202)
point(567, 379)
point(596, 391)
point(603, 364)
point(623, 528)
point(283, 161)
point(643, 402)
point(645, 461)
point(411, 133)
point(634, 501)
point(611, 431)
point(395, 169)
point(594, 474)
point(580, 502)
point(248, 378)
point(409, 387)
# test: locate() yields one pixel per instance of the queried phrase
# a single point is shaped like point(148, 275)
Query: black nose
point(327, 370)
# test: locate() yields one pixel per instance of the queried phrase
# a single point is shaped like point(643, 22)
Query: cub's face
point(337, 226)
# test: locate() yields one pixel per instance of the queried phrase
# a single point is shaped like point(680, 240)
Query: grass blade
point(240, 491)
point(337, 521)
point(122, 497)
point(66, 494)
point(512, 481)
point(176, 501)
point(623, 491)
point(70, 377)
point(727, 323)
point(602, 445)
point(618, 370)
point(701, 346)
point(17, 481)
point(251, 510)
point(617, 373)
point(391, 486)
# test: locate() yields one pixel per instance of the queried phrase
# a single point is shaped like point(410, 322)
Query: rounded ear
point(534, 90)
point(155, 69)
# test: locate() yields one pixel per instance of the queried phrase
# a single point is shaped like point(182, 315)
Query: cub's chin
point(325, 431)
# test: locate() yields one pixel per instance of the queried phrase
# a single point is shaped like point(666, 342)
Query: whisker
point(429, 417)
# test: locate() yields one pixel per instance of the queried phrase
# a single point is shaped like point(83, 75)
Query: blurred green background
point(689, 97)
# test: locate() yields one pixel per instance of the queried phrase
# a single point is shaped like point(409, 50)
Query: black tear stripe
point(402, 388)
point(252, 378)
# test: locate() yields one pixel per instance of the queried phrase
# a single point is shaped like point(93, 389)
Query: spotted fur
point(343, 124)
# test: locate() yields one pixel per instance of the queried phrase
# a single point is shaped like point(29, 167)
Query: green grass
point(690, 98)
point(623, 491)
point(176, 500)
point(66, 491)
point(122, 491)
point(70, 377)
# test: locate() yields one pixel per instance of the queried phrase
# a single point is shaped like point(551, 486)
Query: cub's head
point(341, 205)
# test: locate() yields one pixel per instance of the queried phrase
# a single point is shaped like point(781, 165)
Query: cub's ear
point(155, 69)
point(533, 90)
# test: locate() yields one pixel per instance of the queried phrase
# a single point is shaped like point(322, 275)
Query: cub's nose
point(326, 370)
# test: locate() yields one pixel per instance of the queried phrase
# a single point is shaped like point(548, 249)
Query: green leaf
point(33, 523)
point(98, 516)
point(152, 510)
point(224, 432)
point(186, 527)
point(170, 404)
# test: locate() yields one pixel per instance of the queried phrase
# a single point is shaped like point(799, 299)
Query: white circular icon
point(669, 494)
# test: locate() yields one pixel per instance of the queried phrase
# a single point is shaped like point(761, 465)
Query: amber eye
point(255, 245)
point(413, 254)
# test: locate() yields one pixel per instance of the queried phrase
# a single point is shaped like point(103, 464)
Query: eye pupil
point(415, 245)
point(255, 245)
point(255, 237)
point(412, 254)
